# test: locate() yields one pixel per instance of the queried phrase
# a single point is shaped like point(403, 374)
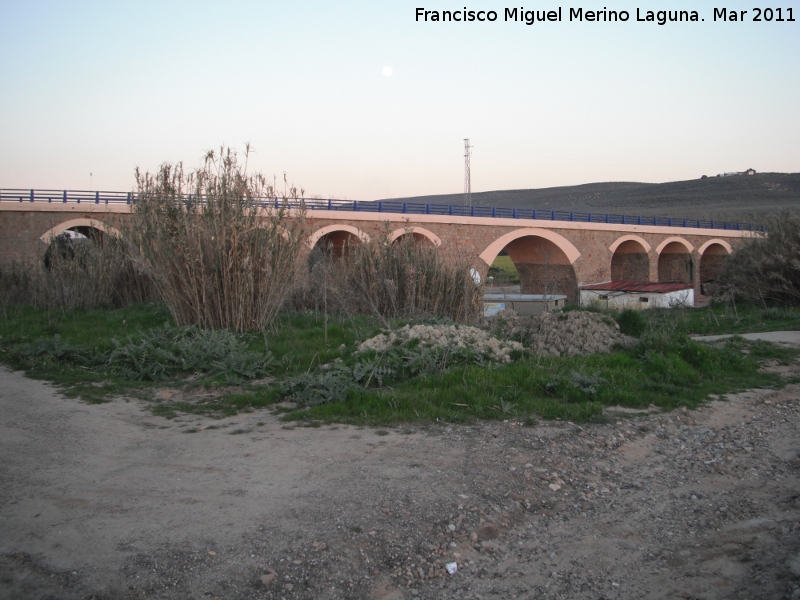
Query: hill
point(732, 198)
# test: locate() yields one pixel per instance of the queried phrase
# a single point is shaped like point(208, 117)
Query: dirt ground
point(108, 501)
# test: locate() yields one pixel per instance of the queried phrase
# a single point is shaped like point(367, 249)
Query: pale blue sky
point(102, 87)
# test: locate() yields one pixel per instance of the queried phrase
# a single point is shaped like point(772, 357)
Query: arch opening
point(543, 268)
point(334, 245)
point(712, 261)
point(630, 262)
point(675, 264)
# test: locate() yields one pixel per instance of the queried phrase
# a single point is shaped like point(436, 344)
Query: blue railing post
point(471, 211)
point(623, 219)
point(450, 209)
point(97, 197)
point(380, 206)
point(534, 214)
point(684, 222)
point(31, 195)
point(514, 213)
point(65, 197)
point(127, 199)
point(494, 212)
point(640, 219)
point(738, 226)
point(712, 223)
point(330, 204)
point(670, 221)
point(606, 217)
point(553, 215)
point(589, 217)
point(405, 207)
point(571, 216)
point(428, 209)
point(355, 205)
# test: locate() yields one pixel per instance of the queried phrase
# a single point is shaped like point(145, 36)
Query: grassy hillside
point(739, 197)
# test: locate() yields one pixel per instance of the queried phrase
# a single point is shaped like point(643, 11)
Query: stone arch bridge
point(554, 253)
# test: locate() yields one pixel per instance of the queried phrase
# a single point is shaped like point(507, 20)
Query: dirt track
point(107, 501)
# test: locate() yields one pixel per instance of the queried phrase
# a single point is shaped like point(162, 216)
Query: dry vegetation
point(391, 280)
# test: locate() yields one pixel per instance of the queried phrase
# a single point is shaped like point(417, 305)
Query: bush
point(631, 322)
point(766, 269)
point(220, 256)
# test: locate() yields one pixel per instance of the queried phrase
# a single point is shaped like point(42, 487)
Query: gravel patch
point(107, 501)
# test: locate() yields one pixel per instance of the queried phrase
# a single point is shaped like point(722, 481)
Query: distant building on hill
point(732, 173)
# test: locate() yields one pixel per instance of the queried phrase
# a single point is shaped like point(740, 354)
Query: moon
point(387, 71)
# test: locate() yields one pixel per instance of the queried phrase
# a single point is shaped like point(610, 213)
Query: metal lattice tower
point(467, 181)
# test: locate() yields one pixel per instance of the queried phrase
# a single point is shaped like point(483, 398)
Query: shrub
point(168, 351)
point(220, 255)
point(631, 322)
point(766, 269)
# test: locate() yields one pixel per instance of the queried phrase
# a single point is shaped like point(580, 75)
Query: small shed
point(522, 304)
point(637, 294)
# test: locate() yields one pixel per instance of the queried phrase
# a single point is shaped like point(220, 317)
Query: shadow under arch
point(334, 240)
point(629, 260)
point(675, 262)
point(713, 255)
point(91, 228)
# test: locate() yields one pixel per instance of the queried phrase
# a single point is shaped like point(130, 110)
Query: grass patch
point(503, 271)
point(665, 369)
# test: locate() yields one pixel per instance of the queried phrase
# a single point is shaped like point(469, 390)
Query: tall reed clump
point(400, 279)
point(76, 274)
point(766, 269)
point(220, 255)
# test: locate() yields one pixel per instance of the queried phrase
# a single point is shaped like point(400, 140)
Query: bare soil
point(108, 501)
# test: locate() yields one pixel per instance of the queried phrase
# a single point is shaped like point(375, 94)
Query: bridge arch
point(675, 260)
point(712, 259)
point(419, 234)
point(543, 260)
point(334, 240)
point(84, 226)
point(629, 260)
point(344, 233)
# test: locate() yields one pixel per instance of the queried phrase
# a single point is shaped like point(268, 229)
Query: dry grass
point(392, 280)
point(76, 276)
point(228, 262)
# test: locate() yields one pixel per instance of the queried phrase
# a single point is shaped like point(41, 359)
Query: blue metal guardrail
point(392, 206)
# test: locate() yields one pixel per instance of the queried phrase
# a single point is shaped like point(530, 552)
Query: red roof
point(638, 287)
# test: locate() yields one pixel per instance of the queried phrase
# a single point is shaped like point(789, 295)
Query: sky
point(101, 88)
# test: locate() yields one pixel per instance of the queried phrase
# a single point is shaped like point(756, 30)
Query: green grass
point(725, 318)
point(504, 271)
point(665, 369)
point(668, 375)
